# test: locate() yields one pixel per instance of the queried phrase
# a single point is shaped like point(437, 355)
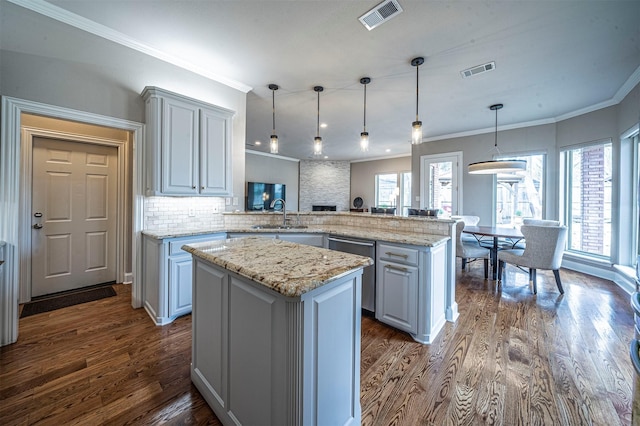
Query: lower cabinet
point(397, 295)
point(411, 288)
point(260, 358)
point(167, 276)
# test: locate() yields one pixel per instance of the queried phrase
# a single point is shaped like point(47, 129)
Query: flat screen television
point(261, 194)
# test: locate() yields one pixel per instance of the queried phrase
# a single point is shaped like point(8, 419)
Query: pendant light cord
point(365, 108)
point(273, 106)
point(417, 88)
point(318, 121)
point(495, 143)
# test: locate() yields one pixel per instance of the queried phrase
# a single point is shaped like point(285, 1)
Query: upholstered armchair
point(468, 221)
point(544, 249)
point(470, 251)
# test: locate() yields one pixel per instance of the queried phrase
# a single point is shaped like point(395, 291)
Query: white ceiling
point(553, 59)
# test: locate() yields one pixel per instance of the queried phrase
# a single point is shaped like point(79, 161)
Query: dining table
point(495, 232)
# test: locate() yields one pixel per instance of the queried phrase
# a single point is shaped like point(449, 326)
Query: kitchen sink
point(272, 226)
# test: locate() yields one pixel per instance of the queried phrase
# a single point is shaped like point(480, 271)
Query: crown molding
point(84, 24)
point(267, 154)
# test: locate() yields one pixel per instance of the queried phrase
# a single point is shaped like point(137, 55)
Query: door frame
point(122, 180)
point(456, 173)
point(10, 208)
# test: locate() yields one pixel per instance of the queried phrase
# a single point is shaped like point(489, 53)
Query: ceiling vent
point(380, 14)
point(479, 69)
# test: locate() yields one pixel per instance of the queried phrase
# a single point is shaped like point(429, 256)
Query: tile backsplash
point(185, 212)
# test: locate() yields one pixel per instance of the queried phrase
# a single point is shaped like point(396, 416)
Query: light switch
point(227, 201)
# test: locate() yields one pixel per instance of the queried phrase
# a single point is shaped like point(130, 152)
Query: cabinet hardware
point(396, 268)
point(404, 256)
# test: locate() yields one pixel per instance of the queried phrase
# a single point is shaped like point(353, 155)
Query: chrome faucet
point(284, 210)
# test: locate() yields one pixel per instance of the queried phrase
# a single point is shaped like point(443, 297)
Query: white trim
point(28, 133)
point(10, 162)
point(364, 160)
point(585, 145)
point(266, 154)
point(59, 14)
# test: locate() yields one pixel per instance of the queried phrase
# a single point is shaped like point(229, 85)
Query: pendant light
point(273, 144)
point(416, 133)
point(317, 141)
point(364, 136)
point(493, 167)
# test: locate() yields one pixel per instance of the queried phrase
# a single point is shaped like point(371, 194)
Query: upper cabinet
point(188, 146)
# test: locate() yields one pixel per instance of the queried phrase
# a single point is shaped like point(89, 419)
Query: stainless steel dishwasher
point(363, 248)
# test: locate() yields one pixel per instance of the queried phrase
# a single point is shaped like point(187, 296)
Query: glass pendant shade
point(364, 141)
point(493, 167)
point(317, 141)
point(273, 143)
point(416, 126)
point(317, 145)
point(416, 133)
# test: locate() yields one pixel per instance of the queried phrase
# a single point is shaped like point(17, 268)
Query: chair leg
point(486, 268)
point(500, 270)
point(556, 272)
point(464, 263)
point(535, 284)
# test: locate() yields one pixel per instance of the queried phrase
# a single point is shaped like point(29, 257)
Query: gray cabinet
point(397, 287)
point(411, 288)
point(167, 276)
point(188, 146)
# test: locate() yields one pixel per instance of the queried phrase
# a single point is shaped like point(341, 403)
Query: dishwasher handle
point(359, 243)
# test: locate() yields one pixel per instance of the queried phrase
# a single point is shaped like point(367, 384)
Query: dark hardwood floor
point(512, 358)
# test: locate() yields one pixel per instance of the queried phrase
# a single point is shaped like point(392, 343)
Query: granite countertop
point(428, 240)
point(291, 269)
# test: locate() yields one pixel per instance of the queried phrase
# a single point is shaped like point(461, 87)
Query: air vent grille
point(479, 69)
point(380, 14)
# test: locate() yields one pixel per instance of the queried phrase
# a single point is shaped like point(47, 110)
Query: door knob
point(37, 226)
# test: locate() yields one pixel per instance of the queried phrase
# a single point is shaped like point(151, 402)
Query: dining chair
point(468, 221)
point(469, 252)
point(544, 250)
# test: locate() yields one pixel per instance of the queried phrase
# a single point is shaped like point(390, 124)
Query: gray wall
point(260, 167)
point(363, 175)
point(102, 77)
point(324, 183)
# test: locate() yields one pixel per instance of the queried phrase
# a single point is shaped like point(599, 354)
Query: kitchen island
point(276, 331)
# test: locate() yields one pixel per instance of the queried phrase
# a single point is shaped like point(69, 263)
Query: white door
point(73, 214)
point(440, 178)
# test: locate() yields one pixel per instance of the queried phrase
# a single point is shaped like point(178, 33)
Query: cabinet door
point(397, 295)
point(215, 155)
point(180, 272)
point(179, 147)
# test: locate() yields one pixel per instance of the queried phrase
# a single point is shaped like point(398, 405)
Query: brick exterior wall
point(592, 199)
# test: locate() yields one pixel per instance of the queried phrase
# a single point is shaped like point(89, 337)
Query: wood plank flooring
point(512, 358)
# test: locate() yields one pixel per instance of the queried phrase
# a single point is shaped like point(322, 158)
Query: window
point(440, 175)
point(586, 184)
point(521, 195)
point(394, 190)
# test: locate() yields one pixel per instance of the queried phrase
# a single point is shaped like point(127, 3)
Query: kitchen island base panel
point(262, 358)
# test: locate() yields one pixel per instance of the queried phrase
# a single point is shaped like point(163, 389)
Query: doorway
point(74, 215)
point(440, 177)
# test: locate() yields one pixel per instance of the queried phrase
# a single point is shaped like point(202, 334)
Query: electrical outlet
point(227, 201)
point(192, 212)
point(235, 201)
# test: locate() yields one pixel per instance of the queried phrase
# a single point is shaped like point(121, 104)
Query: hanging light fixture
point(416, 133)
point(317, 141)
point(364, 136)
point(493, 167)
point(273, 145)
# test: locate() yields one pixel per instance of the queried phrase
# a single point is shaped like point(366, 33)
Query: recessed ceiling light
point(387, 150)
point(258, 143)
point(326, 156)
point(323, 125)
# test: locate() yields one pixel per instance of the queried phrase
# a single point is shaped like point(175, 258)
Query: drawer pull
point(396, 268)
point(390, 253)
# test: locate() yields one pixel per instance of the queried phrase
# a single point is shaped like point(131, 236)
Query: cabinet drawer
point(175, 244)
point(398, 254)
